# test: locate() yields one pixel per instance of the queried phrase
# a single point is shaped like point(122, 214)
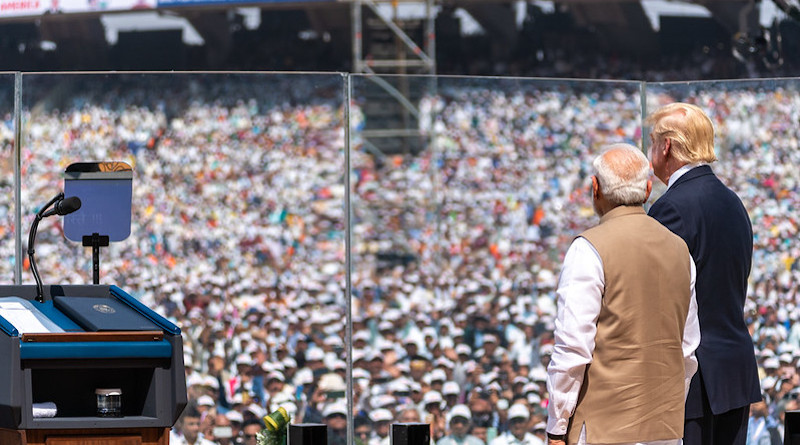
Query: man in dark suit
point(716, 227)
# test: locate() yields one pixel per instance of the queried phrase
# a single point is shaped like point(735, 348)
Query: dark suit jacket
point(716, 228)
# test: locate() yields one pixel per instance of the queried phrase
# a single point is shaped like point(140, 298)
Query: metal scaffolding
point(392, 117)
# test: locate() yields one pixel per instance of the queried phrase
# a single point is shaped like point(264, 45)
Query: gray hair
point(622, 171)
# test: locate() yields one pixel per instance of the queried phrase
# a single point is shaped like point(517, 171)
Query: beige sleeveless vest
point(633, 391)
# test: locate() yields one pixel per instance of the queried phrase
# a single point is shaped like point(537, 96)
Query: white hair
point(623, 181)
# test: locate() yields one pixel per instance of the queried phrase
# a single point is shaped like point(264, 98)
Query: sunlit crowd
point(239, 237)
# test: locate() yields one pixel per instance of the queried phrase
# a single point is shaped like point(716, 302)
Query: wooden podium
point(120, 436)
point(65, 368)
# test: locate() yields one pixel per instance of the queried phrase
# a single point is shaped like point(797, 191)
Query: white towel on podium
point(44, 409)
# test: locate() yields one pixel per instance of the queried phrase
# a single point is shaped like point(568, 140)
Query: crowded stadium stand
point(239, 234)
point(312, 265)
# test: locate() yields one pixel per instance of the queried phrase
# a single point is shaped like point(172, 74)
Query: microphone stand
point(32, 251)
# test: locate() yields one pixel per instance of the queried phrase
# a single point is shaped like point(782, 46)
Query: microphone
point(61, 206)
point(64, 207)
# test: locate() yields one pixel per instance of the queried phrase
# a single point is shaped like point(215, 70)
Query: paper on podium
point(25, 317)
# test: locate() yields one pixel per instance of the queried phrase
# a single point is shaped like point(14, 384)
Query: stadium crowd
point(239, 238)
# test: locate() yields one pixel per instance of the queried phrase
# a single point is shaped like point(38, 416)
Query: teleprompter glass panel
point(105, 192)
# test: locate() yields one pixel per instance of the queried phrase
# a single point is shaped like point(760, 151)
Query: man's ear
point(649, 189)
point(595, 187)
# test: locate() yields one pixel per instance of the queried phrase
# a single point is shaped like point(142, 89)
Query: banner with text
point(173, 3)
point(22, 8)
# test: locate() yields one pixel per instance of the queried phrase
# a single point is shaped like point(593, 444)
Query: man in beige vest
point(626, 327)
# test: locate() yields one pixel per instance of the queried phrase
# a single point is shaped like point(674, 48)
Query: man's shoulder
point(704, 195)
point(700, 172)
point(499, 440)
point(506, 438)
point(176, 438)
point(531, 439)
point(473, 440)
point(446, 440)
point(181, 440)
point(681, 201)
point(697, 179)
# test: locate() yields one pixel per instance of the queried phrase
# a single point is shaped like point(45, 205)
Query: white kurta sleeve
point(580, 292)
point(691, 335)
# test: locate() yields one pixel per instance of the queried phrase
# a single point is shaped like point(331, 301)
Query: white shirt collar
point(682, 171)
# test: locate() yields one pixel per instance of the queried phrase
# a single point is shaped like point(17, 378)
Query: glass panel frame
point(464, 133)
point(444, 238)
point(238, 233)
point(8, 197)
point(758, 149)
